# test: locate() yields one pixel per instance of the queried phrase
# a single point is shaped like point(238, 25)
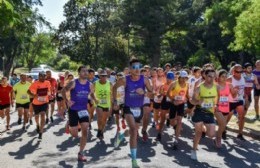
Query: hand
point(140, 91)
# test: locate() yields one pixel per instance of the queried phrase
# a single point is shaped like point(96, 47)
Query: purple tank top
point(79, 95)
point(257, 74)
point(133, 99)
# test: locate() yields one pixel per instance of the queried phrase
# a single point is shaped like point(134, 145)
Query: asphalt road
point(57, 149)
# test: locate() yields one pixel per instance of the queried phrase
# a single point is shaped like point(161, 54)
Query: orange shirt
point(42, 90)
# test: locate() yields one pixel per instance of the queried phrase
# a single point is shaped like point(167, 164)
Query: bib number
point(103, 101)
point(42, 99)
point(207, 105)
point(223, 99)
point(83, 113)
point(179, 98)
point(24, 97)
point(250, 85)
point(136, 111)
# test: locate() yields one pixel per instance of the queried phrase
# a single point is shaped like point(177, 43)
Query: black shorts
point(201, 115)
point(137, 118)
point(58, 98)
point(40, 108)
point(25, 106)
point(256, 92)
point(103, 109)
point(5, 106)
point(52, 101)
point(121, 107)
point(234, 105)
point(74, 118)
point(165, 105)
point(189, 105)
point(147, 105)
point(179, 110)
point(156, 105)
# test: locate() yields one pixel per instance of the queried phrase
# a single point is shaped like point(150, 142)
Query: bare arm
point(92, 92)
point(68, 87)
point(171, 87)
point(148, 85)
point(195, 98)
point(120, 82)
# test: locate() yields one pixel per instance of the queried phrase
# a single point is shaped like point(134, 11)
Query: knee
point(74, 134)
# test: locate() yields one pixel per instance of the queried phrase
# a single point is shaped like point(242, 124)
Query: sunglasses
point(137, 66)
point(238, 71)
point(210, 76)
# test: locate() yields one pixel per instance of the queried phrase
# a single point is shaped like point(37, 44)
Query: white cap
point(183, 74)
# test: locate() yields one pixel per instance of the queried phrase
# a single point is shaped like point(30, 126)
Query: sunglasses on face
point(238, 71)
point(136, 66)
point(210, 76)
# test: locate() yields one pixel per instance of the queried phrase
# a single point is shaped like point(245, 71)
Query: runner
point(147, 108)
point(30, 80)
point(237, 98)
point(79, 90)
point(22, 99)
point(135, 85)
point(103, 91)
point(196, 76)
point(53, 83)
point(178, 94)
point(165, 103)
point(40, 90)
point(222, 110)
point(6, 99)
point(251, 81)
point(257, 89)
point(14, 80)
point(205, 98)
point(60, 101)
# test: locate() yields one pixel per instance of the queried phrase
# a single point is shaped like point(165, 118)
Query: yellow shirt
point(21, 95)
point(209, 96)
point(179, 93)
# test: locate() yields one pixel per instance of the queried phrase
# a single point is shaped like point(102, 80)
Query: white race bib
point(249, 84)
point(136, 111)
point(83, 113)
point(179, 98)
point(223, 99)
point(42, 99)
point(157, 99)
point(59, 95)
point(24, 97)
point(168, 99)
point(103, 101)
point(207, 105)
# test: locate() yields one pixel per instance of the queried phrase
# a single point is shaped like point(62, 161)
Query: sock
point(121, 136)
point(133, 153)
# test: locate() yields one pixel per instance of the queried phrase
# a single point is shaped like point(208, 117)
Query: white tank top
point(147, 99)
point(120, 95)
point(240, 84)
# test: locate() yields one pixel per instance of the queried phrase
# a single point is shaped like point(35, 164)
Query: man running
point(205, 98)
point(53, 83)
point(6, 99)
point(178, 93)
point(40, 90)
point(103, 92)
point(135, 85)
point(22, 99)
point(79, 90)
point(256, 71)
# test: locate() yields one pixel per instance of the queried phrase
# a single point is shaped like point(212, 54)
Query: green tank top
point(103, 94)
point(209, 96)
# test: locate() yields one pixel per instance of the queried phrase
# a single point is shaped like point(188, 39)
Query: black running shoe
point(240, 137)
point(47, 120)
point(19, 121)
point(51, 119)
point(224, 135)
point(40, 136)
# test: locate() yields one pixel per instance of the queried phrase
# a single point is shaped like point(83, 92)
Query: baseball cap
point(170, 75)
point(103, 73)
point(42, 73)
point(183, 74)
point(247, 64)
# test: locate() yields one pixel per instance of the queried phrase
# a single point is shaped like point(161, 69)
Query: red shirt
point(5, 92)
point(53, 83)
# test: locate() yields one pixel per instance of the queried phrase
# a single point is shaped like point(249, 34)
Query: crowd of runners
point(208, 97)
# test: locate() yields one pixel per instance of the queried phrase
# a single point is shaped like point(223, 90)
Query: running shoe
point(40, 136)
point(224, 135)
point(47, 121)
point(51, 119)
point(19, 121)
point(193, 155)
point(175, 145)
point(145, 136)
point(82, 158)
point(241, 137)
point(31, 122)
point(134, 164)
point(38, 129)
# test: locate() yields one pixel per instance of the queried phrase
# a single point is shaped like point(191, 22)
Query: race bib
point(168, 99)
point(24, 97)
point(42, 99)
point(83, 113)
point(158, 100)
point(179, 98)
point(248, 84)
point(59, 95)
point(207, 105)
point(136, 111)
point(103, 101)
point(146, 100)
point(223, 99)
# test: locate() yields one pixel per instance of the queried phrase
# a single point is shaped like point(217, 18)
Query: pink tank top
point(223, 101)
